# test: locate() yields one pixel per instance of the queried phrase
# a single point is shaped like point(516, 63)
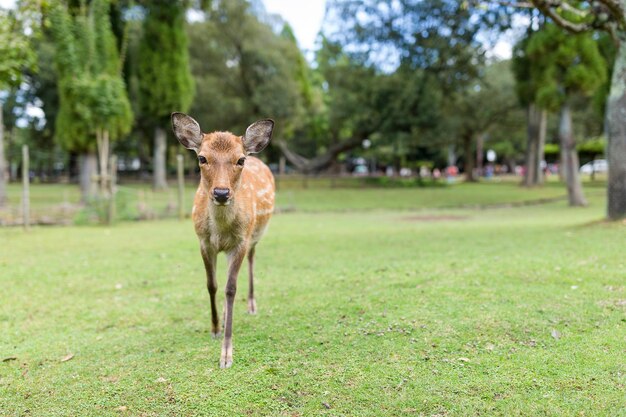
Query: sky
point(305, 17)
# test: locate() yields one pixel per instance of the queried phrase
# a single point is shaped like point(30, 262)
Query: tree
point(565, 65)
point(92, 93)
point(245, 70)
point(536, 117)
point(17, 56)
point(610, 16)
point(165, 80)
point(391, 63)
point(472, 113)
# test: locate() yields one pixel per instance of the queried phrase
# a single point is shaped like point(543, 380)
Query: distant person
point(451, 172)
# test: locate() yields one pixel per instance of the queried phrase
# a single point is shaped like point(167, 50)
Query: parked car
point(360, 170)
point(597, 165)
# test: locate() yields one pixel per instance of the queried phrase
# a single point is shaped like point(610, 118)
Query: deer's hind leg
point(251, 300)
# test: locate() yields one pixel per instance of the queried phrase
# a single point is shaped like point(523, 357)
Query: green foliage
point(16, 52)
point(244, 71)
point(551, 150)
point(521, 65)
point(564, 64)
point(91, 90)
point(165, 80)
point(595, 146)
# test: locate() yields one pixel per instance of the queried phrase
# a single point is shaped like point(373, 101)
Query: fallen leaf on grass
point(326, 405)
point(122, 408)
point(463, 359)
point(556, 334)
point(10, 358)
point(160, 379)
point(67, 357)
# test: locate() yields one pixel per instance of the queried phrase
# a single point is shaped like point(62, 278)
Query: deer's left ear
point(258, 135)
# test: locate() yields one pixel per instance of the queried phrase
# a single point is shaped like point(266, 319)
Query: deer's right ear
point(187, 131)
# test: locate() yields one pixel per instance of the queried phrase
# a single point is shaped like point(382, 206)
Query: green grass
point(510, 311)
point(58, 202)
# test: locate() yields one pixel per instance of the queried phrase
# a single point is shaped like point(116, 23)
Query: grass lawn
point(511, 311)
point(58, 202)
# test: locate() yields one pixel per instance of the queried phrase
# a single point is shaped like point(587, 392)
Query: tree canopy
point(92, 92)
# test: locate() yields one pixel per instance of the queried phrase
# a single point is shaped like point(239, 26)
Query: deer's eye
point(241, 161)
point(201, 159)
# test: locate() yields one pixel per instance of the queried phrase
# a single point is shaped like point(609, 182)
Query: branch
point(516, 4)
point(547, 7)
point(320, 162)
point(616, 9)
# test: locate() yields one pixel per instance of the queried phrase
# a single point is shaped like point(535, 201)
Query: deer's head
point(221, 155)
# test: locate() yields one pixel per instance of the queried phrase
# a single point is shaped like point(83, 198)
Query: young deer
point(232, 207)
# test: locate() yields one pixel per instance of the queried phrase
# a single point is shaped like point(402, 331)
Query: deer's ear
point(258, 135)
point(187, 131)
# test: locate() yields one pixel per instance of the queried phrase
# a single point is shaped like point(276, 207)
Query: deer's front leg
point(235, 259)
point(210, 260)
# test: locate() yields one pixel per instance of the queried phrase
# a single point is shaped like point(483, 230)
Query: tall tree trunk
point(616, 205)
point(535, 142)
point(451, 155)
point(158, 162)
point(480, 141)
point(88, 164)
point(102, 138)
point(469, 158)
point(541, 144)
point(569, 158)
point(3, 164)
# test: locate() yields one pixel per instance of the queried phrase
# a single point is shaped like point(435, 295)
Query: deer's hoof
point(226, 362)
point(216, 335)
point(251, 306)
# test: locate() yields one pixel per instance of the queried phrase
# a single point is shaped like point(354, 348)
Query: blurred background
point(364, 93)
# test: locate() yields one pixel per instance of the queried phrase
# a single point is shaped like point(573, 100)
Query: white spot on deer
point(262, 192)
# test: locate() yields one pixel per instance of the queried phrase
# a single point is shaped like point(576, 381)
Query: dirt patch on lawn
point(434, 218)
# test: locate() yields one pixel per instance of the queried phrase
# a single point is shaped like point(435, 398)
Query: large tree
point(400, 56)
point(245, 70)
point(564, 65)
point(536, 117)
point(164, 75)
point(608, 15)
point(471, 114)
point(17, 56)
point(93, 101)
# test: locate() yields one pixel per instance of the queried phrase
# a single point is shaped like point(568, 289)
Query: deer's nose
point(221, 194)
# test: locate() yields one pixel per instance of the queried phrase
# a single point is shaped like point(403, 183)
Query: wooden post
point(112, 188)
point(181, 185)
point(282, 162)
point(281, 171)
point(25, 187)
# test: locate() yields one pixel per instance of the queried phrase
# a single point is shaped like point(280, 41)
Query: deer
point(232, 208)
